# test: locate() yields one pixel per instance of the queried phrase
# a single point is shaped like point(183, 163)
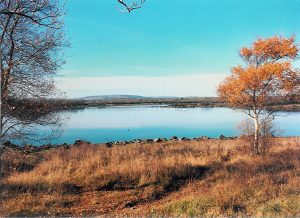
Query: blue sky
point(164, 47)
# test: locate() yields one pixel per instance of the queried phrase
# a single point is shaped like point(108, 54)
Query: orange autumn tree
point(267, 77)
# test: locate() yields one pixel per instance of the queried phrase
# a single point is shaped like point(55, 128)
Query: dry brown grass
point(195, 178)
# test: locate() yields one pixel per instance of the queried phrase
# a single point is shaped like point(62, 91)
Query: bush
point(267, 132)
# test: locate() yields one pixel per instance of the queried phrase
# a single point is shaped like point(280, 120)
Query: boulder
point(174, 138)
point(222, 137)
point(123, 143)
point(183, 139)
point(27, 147)
point(204, 137)
point(46, 147)
point(66, 146)
point(9, 144)
point(109, 144)
point(157, 140)
point(80, 142)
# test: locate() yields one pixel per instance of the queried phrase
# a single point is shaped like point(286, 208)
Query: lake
point(143, 122)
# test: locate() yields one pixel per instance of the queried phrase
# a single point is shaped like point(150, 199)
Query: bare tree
point(31, 39)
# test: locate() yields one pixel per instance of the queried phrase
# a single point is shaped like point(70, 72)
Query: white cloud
point(177, 85)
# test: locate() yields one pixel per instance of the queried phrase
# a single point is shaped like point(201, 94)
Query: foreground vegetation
point(174, 178)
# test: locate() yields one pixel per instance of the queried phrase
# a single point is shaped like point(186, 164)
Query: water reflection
point(127, 123)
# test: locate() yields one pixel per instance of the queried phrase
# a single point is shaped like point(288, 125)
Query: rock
point(174, 138)
point(222, 137)
point(164, 139)
point(80, 142)
point(149, 140)
point(157, 140)
point(123, 143)
point(9, 144)
point(204, 137)
point(183, 139)
point(27, 147)
point(46, 147)
point(109, 144)
point(66, 146)
point(160, 140)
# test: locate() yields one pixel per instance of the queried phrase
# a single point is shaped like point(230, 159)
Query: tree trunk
point(256, 136)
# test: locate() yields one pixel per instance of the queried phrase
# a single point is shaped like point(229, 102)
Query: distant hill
point(105, 97)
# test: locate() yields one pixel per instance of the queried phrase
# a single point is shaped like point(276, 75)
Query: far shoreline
point(171, 102)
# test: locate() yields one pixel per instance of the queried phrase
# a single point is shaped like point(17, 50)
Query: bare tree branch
point(131, 6)
point(31, 40)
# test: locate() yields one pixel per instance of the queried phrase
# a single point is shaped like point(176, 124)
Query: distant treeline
point(172, 102)
point(179, 102)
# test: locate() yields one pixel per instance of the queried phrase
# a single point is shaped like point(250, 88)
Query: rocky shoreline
point(33, 148)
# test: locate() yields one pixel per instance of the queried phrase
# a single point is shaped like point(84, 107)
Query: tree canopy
point(267, 77)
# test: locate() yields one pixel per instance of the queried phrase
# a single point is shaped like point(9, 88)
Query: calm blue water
point(128, 123)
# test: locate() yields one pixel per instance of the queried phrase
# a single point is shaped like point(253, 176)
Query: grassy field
point(193, 178)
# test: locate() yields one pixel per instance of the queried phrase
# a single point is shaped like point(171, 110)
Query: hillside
point(109, 97)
